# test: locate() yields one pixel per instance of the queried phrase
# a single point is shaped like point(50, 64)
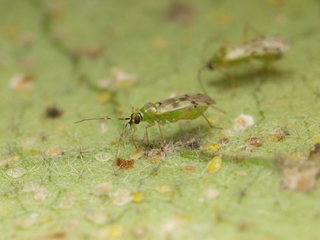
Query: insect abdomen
point(185, 114)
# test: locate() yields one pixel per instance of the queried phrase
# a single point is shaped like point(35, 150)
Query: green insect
point(267, 49)
point(184, 107)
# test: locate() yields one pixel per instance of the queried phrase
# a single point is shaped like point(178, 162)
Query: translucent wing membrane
point(183, 102)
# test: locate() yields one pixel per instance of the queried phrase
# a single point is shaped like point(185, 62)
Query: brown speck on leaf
point(223, 141)
point(253, 142)
point(245, 225)
point(124, 164)
point(180, 12)
point(314, 154)
point(94, 52)
point(279, 133)
point(300, 175)
point(53, 112)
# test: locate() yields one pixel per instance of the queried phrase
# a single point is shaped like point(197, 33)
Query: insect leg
point(206, 118)
point(120, 140)
point(146, 133)
point(159, 123)
point(233, 81)
point(246, 29)
point(183, 114)
point(132, 137)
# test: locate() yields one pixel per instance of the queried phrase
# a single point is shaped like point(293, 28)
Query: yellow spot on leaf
point(156, 159)
point(137, 197)
point(163, 188)
point(139, 152)
point(214, 165)
point(316, 140)
point(212, 147)
point(34, 152)
point(104, 97)
point(53, 152)
point(115, 230)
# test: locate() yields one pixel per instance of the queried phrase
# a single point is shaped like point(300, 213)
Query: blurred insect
point(184, 107)
point(266, 48)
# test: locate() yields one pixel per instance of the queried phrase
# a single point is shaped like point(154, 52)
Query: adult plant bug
point(266, 48)
point(184, 107)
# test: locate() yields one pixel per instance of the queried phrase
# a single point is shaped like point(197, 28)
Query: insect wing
point(271, 44)
point(182, 102)
point(281, 44)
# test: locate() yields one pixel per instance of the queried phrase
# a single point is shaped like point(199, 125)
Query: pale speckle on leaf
point(21, 82)
point(40, 194)
point(102, 189)
point(163, 188)
point(103, 156)
point(242, 122)
point(121, 197)
point(96, 217)
point(70, 225)
point(8, 160)
point(30, 187)
point(209, 194)
point(16, 172)
point(27, 221)
point(67, 202)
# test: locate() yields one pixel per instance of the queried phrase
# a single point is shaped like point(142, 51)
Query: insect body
point(184, 107)
point(265, 48)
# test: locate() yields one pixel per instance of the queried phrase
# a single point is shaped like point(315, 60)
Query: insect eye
point(210, 65)
point(137, 119)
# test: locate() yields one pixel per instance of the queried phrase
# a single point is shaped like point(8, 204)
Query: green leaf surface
point(65, 48)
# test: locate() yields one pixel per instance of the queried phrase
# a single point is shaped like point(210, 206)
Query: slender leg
point(189, 110)
point(206, 119)
point(120, 140)
point(146, 133)
point(183, 114)
point(161, 132)
point(132, 137)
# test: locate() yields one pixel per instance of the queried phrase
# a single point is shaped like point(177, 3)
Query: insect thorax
point(148, 111)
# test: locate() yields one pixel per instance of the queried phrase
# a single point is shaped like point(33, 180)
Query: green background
point(248, 207)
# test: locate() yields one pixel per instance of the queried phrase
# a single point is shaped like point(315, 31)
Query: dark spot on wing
point(176, 104)
point(183, 99)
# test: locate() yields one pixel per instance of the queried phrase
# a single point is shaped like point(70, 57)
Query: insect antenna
point(200, 81)
point(205, 48)
point(218, 109)
point(89, 119)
